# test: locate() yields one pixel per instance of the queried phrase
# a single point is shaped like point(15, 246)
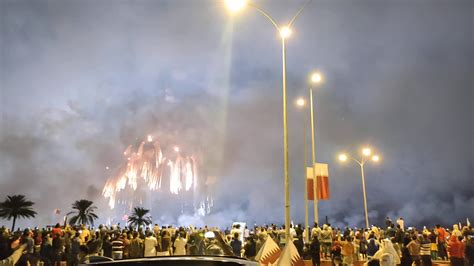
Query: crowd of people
point(392, 244)
point(395, 245)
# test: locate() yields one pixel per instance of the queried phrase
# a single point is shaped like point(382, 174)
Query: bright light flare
point(285, 32)
point(316, 78)
point(176, 148)
point(300, 102)
point(342, 157)
point(234, 6)
point(366, 151)
point(375, 158)
point(149, 138)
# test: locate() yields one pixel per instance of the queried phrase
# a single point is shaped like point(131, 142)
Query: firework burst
point(147, 167)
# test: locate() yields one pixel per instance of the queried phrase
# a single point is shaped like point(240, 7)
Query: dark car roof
point(182, 260)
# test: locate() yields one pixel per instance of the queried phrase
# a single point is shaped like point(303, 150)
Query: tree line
point(83, 211)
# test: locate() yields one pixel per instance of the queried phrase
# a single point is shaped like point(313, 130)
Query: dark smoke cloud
point(81, 80)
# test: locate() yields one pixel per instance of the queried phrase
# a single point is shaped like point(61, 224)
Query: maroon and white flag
point(290, 256)
point(268, 253)
point(322, 177)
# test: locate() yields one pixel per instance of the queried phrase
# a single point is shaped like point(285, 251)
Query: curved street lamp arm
point(298, 13)
point(357, 161)
point(265, 14)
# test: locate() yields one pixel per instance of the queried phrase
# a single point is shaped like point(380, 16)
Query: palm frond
point(84, 212)
point(73, 219)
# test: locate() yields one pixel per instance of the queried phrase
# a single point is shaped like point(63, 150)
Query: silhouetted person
point(315, 251)
point(236, 245)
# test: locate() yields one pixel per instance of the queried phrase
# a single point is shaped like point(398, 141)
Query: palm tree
point(16, 206)
point(138, 217)
point(83, 212)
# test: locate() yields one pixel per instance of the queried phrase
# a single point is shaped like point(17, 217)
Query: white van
point(240, 230)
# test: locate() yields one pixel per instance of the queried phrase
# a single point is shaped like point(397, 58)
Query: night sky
point(81, 80)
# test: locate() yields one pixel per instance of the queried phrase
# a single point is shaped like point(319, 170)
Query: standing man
point(425, 250)
point(347, 252)
point(299, 244)
point(250, 248)
point(85, 235)
point(414, 250)
point(282, 237)
point(30, 246)
point(246, 233)
point(166, 249)
point(442, 235)
point(315, 231)
point(156, 230)
point(75, 249)
point(315, 250)
point(136, 246)
point(180, 245)
point(456, 251)
point(236, 244)
point(150, 243)
point(117, 247)
point(326, 241)
point(401, 223)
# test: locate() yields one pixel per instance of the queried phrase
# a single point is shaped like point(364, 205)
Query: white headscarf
point(387, 249)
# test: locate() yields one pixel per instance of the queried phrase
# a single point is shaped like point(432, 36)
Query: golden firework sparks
point(147, 166)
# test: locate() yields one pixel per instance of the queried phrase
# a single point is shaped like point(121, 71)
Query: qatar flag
point(268, 253)
point(322, 177)
point(290, 256)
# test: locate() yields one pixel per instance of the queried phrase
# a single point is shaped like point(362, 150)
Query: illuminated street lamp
point(366, 151)
point(301, 103)
point(285, 32)
point(342, 157)
point(375, 158)
point(366, 156)
point(316, 77)
point(234, 6)
point(315, 80)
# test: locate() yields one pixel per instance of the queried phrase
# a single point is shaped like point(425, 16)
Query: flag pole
point(306, 215)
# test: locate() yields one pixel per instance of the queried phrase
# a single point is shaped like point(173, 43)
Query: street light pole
point(301, 103)
point(375, 158)
point(365, 195)
point(235, 6)
point(316, 78)
point(313, 156)
point(306, 216)
point(285, 143)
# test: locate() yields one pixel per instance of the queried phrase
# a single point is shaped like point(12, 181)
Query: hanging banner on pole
point(322, 177)
point(309, 182)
